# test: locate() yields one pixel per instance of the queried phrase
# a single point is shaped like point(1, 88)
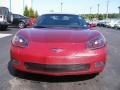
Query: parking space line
point(4, 35)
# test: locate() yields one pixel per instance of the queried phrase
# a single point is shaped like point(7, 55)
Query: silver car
point(117, 26)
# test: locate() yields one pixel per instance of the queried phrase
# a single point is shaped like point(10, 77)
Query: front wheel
point(13, 71)
point(3, 28)
point(21, 25)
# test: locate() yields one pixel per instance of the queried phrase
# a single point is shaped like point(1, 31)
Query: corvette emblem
point(57, 50)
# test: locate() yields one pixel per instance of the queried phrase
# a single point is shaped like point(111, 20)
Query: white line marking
point(4, 35)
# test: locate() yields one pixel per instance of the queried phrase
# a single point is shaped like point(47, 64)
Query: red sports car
point(59, 44)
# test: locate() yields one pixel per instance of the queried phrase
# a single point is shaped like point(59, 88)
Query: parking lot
point(109, 79)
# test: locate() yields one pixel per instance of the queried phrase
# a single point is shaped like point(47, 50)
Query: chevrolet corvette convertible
point(58, 45)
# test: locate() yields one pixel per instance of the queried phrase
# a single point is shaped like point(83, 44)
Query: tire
point(15, 72)
point(115, 28)
point(12, 70)
point(3, 28)
point(21, 25)
point(94, 75)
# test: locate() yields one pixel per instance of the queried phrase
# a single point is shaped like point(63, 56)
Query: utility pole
point(10, 5)
point(61, 6)
point(107, 9)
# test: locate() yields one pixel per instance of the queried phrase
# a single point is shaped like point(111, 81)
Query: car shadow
point(8, 29)
point(46, 78)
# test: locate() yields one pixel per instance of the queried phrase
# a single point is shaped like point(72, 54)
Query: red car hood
point(59, 35)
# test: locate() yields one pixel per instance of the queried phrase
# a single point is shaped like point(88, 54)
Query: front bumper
point(4, 23)
point(87, 63)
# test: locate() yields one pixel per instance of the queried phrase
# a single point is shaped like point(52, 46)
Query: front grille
point(57, 68)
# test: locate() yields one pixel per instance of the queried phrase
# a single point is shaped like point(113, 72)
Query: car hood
point(56, 35)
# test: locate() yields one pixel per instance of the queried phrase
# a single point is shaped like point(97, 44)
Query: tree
point(26, 11)
point(36, 14)
point(31, 13)
point(100, 17)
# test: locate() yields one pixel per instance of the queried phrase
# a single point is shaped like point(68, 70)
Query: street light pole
point(107, 9)
point(119, 9)
point(90, 10)
point(23, 5)
point(31, 3)
point(61, 6)
point(98, 11)
point(90, 13)
point(10, 6)
point(98, 8)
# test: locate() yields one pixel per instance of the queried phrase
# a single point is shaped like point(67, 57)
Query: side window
point(82, 22)
point(15, 16)
point(6, 11)
point(20, 16)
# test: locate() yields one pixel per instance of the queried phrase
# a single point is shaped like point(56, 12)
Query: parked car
point(32, 21)
point(91, 23)
point(103, 23)
point(59, 44)
point(112, 23)
point(20, 21)
point(5, 18)
point(100, 23)
point(117, 25)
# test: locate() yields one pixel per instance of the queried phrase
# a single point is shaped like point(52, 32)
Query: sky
point(69, 6)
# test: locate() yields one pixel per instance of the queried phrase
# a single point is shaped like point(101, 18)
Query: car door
point(22, 18)
point(15, 19)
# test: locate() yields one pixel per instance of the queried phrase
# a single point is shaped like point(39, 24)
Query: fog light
point(15, 62)
point(99, 64)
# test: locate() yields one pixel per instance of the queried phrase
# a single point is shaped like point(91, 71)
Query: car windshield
point(3, 11)
point(60, 20)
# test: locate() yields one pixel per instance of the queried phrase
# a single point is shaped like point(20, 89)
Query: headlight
point(19, 41)
point(96, 43)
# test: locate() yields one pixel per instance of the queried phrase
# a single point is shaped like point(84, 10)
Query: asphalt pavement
point(109, 79)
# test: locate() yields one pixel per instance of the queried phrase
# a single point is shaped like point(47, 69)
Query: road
point(109, 79)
